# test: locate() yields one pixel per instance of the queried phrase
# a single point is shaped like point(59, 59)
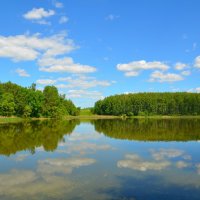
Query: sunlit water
point(100, 159)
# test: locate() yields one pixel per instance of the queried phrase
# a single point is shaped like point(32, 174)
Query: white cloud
point(180, 66)
point(84, 94)
point(76, 81)
point(16, 177)
point(187, 157)
point(84, 147)
point(76, 136)
point(111, 17)
point(66, 64)
point(26, 184)
point(134, 68)
point(62, 165)
point(44, 50)
point(22, 73)
point(132, 73)
point(82, 82)
point(158, 76)
point(182, 164)
point(197, 62)
point(26, 47)
point(38, 13)
point(135, 162)
point(46, 81)
point(197, 90)
point(186, 73)
point(20, 157)
point(43, 22)
point(63, 20)
point(166, 153)
point(58, 4)
point(18, 47)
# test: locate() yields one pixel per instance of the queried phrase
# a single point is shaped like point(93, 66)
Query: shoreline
point(18, 119)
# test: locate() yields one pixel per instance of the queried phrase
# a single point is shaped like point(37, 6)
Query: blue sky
point(91, 49)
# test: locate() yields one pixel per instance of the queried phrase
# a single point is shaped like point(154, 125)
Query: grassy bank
point(10, 119)
point(86, 114)
point(166, 117)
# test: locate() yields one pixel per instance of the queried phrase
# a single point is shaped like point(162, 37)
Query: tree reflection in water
point(150, 129)
point(30, 135)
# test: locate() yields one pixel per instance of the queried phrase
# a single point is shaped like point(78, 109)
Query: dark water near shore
point(140, 159)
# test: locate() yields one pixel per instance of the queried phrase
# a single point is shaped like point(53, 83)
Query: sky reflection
point(88, 165)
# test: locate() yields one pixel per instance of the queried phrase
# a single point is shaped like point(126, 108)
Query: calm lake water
point(100, 159)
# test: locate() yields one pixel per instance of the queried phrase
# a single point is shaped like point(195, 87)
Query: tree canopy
point(179, 103)
point(29, 102)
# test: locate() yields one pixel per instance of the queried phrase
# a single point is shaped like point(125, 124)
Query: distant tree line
point(30, 102)
point(179, 103)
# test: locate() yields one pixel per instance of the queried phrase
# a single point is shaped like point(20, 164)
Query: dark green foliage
point(144, 104)
point(30, 135)
point(29, 102)
point(7, 105)
point(150, 129)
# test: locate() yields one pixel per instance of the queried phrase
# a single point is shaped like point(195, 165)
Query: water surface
point(100, 159)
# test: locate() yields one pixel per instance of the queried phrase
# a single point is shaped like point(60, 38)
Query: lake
point(135, 159)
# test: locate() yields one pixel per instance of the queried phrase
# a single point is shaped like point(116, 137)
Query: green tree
point(7, 105)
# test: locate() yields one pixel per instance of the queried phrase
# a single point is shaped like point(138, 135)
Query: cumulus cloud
point(19, 47)
point(76, 136)
point(22, 72)
point(82, 82)
point(135, 162)
point(26, 184)
point(43, 50)
point(187, 157)
point(186, 73)
point(84, 147)
point(158, 76)
point(135, 67)
point(30, 47)
point(16, 177)
point(166, 153)
point(84, 94)
point(46, 81)
point(161, 160)
point(20, 157)
point(182, 164)
point(180, 66)
point(63, 20)
point(66, 64)
point(62, 165)
point(76, 81)
point(197, 62)
point(38, 13)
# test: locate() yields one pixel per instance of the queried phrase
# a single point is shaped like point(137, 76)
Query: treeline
point(179, 103)
point(30, 102)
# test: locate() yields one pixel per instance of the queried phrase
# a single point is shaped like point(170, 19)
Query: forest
point(26, 102)
point(147, 104)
